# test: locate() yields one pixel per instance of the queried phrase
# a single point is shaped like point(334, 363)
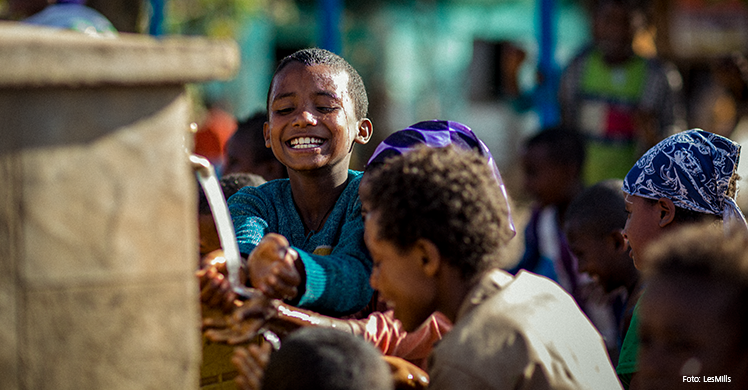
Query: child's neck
point(452, 290)
point(634, 286)
point(315, 195)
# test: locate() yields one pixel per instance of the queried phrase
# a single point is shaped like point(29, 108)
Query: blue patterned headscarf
point(438, 134)
point(693, 169)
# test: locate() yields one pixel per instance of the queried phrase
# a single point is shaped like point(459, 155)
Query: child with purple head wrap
point(685, 179)
point(437, 134)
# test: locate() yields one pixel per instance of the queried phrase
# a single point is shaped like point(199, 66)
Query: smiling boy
point(436, 220)
point(303, 236)
point(593, 228)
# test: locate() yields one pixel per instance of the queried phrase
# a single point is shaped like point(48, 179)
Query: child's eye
point(284, 111)
point(326, 109)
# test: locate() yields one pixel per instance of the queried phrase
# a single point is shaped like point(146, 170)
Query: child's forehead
point(580, 227)
point(699, 295)
point(322, 76)
point(686, 285)
point(542, 155)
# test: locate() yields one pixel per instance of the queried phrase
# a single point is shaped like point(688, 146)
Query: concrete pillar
point(98, 238)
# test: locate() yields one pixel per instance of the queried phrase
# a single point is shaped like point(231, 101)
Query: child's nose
point(305, 118)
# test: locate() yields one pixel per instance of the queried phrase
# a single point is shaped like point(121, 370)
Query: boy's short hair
point(565, 145)
point(317, 56)
point(600, 209)
point(326, 359)
point(445, 195)
point(703, 252)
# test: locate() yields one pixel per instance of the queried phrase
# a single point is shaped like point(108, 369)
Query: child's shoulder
point(354, 179)
point(355, 176)
point(348, 199)
point(270, 190)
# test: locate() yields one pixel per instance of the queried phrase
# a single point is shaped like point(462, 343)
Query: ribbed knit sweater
point(336, 261)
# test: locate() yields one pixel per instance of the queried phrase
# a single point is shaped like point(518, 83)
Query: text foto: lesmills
point(721, 378)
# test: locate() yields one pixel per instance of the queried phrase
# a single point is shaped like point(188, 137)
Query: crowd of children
point(408, 256)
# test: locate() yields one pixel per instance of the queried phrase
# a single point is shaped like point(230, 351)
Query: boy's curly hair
point(445, 195)
point(317, 56)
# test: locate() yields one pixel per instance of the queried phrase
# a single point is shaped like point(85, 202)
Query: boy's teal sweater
point(336, 261)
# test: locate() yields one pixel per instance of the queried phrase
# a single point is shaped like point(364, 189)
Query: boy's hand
point(244, 323)
point(215, 259)
point(272, 268)
point(251, 363)
point(215, 289)
point(406, 375)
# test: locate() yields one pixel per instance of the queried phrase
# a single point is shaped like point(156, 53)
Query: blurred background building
point(425, 59)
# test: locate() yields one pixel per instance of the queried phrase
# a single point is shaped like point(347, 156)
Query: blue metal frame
point(331, 12)
point(547, 92)
point(156, 26)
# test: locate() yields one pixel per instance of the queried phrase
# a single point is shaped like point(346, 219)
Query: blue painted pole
point(156, 26)
point(547, 98)
point(330, 17)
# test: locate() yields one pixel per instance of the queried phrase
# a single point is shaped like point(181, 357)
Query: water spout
point(209, 181)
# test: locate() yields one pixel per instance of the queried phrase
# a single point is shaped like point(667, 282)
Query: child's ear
point(430, 257)
point(266, 134)
point(365, 130)
point(666, 208)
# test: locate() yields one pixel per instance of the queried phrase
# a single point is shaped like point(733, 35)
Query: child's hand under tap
point(251, 363)
point(215, 289)
point(272, 267)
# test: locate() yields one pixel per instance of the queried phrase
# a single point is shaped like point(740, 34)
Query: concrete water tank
point(97, 209)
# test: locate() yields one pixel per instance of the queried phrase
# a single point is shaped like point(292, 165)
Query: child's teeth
point(305, 142)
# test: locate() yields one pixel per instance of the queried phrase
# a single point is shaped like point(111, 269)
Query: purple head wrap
point(693, 169)
point(438, 134)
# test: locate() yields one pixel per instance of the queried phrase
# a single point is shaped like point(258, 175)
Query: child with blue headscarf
point(685, 179)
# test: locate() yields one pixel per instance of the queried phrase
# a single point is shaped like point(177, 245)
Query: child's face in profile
point(690, 328)
point(642, 226)
point(311, 119)
point(597, 254)
point(398, 276)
